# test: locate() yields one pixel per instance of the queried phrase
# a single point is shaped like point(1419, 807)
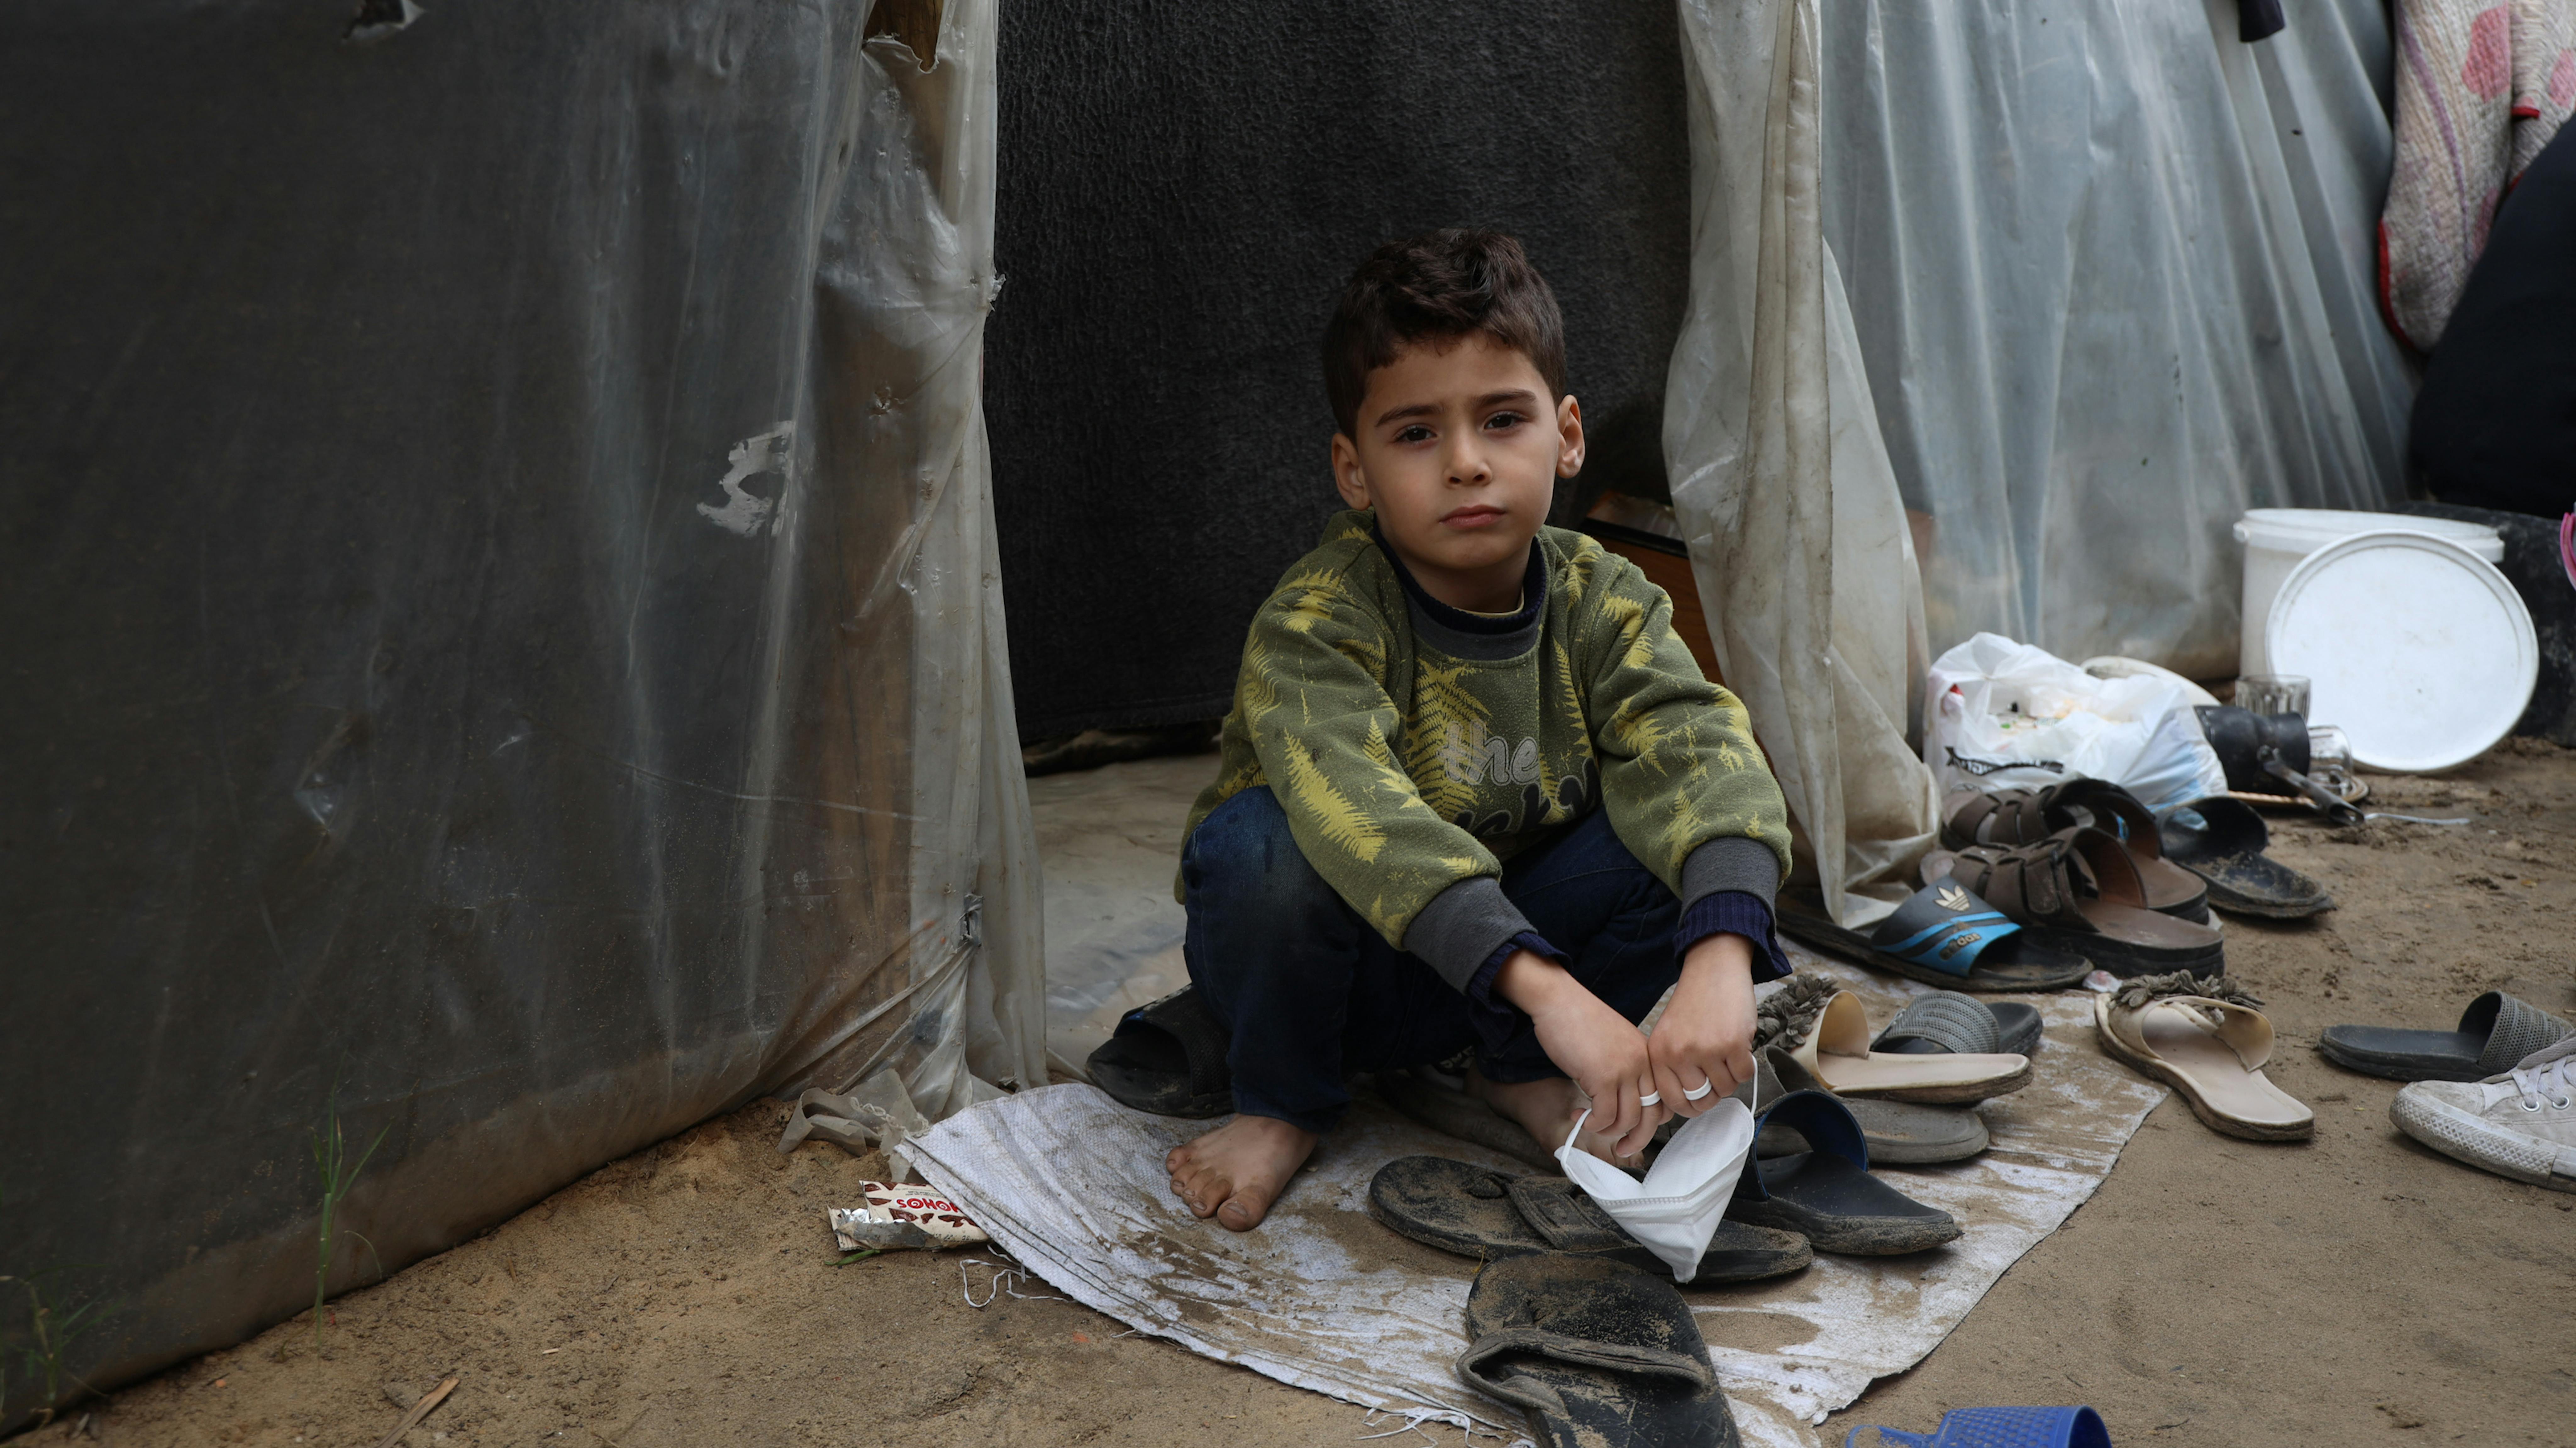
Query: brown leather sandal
point(2027, 816)
point(2080, 889)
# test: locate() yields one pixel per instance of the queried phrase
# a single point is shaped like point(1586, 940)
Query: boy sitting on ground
point(1474, 790)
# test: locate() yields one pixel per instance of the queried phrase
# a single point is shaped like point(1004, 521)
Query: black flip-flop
point(2496, 1031)
point(1948, 1021)
point(1168, 1058)
point(1476, 1211)
point(1599, 1352)
point(1944, 936)
point(1827, 1194)
point(2222, 841)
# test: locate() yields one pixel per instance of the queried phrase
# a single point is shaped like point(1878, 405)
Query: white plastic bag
point(1675, 1210)
point(2003, 715)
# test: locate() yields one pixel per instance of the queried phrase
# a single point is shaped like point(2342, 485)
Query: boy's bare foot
point(1546, 1109)
point(1235, 1172)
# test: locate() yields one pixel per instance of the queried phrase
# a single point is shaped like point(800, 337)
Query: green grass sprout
point(331, 1159)
point(53, 1328)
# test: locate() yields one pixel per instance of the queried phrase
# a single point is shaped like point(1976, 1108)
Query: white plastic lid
point(2305, 530)
point(2416, 648)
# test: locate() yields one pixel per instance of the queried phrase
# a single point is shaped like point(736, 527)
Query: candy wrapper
point(902, 1216)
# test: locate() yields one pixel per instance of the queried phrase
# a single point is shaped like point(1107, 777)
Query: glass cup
point(2273, 694)
point(2330, 759)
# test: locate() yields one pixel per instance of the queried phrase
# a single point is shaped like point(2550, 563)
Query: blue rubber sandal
point(1945, 936)
point(1994, 1428)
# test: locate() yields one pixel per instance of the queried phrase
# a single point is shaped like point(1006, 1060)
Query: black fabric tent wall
point(458, 577)
point(1182, 190)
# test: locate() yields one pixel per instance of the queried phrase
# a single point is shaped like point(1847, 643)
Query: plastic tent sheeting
point(2112, 271)
point(1880, 649)
point(504, 623)
point(2081, 292)
point(1781, 482)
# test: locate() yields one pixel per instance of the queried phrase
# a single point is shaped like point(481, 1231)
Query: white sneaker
point(2521, 1124)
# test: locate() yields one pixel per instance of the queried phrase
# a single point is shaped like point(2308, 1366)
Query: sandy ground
point(2215, 1292)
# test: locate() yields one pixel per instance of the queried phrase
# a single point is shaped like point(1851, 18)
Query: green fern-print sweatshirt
point(1415, 747)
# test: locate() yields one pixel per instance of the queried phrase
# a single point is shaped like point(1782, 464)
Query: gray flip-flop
point(2495, 1032)
point(1947, 1020)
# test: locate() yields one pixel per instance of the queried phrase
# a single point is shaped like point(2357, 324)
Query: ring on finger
point(1701, 1094)
point(1651, 1098)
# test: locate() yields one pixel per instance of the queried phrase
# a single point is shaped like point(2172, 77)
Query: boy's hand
point(1706, 1034)
point(1597, 1046)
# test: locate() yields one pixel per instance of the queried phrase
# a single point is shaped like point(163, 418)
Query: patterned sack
point(2482, 86)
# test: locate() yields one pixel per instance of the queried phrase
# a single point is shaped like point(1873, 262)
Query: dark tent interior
point(1182, 191)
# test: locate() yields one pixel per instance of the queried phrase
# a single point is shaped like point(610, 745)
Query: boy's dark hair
point(1441, 285)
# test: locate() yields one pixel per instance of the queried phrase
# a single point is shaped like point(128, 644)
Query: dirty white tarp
point(1322, 1296)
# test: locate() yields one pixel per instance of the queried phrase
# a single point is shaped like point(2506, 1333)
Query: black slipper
point(1827, 1194)
point(1948, 1021)
point(1944, 936)
point(2222, 841)
point(1167, 1058)
point(1476, 1211)
point(1599, 1352)
point(2496, 1031)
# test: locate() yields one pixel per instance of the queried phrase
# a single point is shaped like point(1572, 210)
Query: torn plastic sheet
point(744, 513)
point(507, 632)
point(376, 20)
point(2115, 279)
point(1780, 478)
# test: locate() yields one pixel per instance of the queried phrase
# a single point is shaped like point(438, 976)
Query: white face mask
point(1676, 1209)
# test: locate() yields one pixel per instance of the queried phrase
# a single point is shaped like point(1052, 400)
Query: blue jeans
point(1312, 993)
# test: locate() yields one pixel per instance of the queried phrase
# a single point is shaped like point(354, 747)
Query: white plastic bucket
point(2277, 539)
